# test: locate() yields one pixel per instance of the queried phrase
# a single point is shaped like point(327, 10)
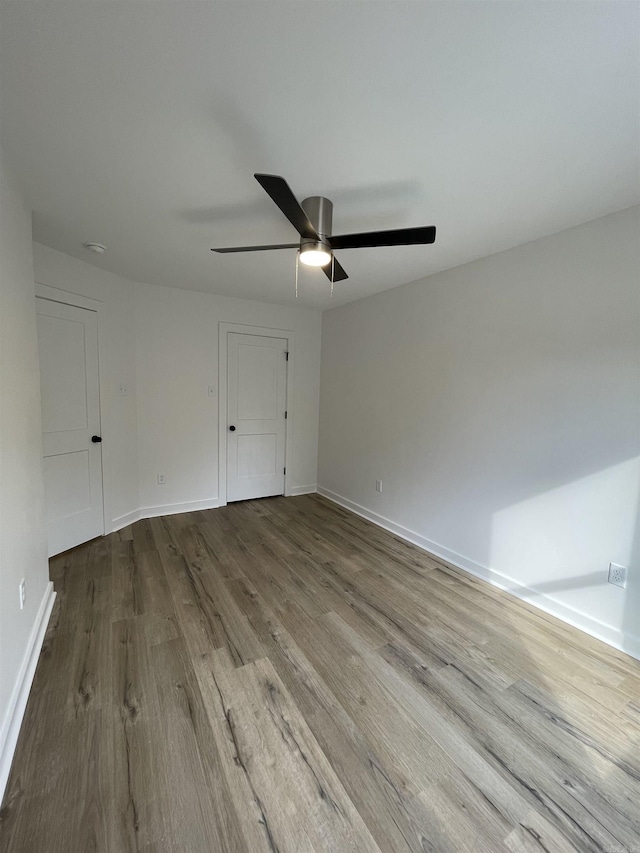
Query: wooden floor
point(280, 675)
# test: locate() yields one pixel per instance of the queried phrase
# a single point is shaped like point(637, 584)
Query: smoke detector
point(98, 248)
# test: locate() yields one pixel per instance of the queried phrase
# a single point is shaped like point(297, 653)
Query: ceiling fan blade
point(256, 248)
point(280, 192)
point(338, 272)
point(397, 237)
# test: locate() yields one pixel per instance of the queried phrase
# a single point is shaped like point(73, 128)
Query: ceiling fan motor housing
point(320, 213)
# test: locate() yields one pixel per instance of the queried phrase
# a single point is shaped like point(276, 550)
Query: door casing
point(224, 329)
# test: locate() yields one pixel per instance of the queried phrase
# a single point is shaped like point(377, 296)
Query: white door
point(68, 352)
point(256, 404)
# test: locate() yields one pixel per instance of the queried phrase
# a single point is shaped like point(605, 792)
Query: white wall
point(499, 404)
point(177, 357)
point(23, 551)
point(163, 344)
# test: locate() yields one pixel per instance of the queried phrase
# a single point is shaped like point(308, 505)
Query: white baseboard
point(608, 634)
point(303, 490)
point(18, 702)
point(124, 520)
point(175, 509)
point(189, 506)
point(166, 509)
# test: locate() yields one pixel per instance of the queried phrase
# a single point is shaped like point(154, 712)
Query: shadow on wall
point(563, 541)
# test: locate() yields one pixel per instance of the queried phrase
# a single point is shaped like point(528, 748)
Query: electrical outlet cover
point(618, 575)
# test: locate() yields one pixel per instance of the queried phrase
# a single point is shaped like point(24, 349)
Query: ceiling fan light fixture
point(315, 254)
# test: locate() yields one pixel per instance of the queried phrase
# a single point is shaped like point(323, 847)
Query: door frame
point(54, 294)
point(224, 329)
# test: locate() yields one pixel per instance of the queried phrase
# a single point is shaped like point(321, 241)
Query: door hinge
point(286, 414)
point(286, 355)
point(284, 471)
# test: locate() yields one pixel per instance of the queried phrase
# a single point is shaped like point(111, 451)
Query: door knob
point(232, 428)
point(96, 439)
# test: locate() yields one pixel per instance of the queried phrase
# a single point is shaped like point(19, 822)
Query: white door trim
point(54, 294)
point(224, 329)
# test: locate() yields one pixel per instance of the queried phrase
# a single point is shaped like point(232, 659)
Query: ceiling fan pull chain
point(333, 269)
point(297, 265)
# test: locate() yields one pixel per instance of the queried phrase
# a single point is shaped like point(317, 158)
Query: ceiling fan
point(312, 220)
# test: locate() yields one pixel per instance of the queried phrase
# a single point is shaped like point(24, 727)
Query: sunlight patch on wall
point(559, 544)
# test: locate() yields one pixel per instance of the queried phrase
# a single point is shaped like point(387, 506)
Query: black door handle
point(232, 428)
point(96, 439)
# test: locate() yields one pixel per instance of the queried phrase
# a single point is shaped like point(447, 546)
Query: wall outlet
point(378, 485)
point(123, 390)
point(618, 575)
point(161, 479)
point(22, 592)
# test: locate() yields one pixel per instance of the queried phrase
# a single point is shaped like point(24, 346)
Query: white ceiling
point(140, 125)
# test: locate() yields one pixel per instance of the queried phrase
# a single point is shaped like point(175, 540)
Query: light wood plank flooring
point(280, 675)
